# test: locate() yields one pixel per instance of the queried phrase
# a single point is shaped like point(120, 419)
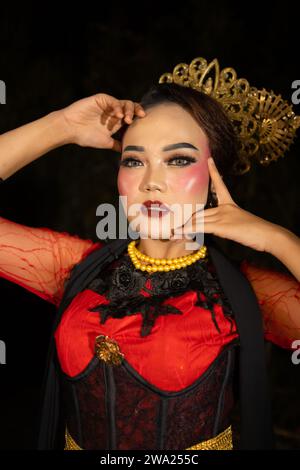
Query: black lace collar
point(121, 283)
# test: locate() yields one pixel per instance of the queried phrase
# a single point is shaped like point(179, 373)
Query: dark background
point(50, 58)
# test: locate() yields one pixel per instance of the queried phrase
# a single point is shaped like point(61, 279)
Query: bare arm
point(89, 122)
point(24, 144)
point(40, 259)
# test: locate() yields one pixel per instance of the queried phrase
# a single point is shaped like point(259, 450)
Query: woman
point(147, 348)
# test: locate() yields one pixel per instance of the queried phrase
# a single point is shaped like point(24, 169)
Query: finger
point(209, 211)
point(128, 108)
point(117, 111)
point(198, 224)
point(203, 212)
point(133, 108)
point(179, 236)
point(110, 103)
point(139, 109)
point(115, 145)
point(208, 227)
point(222, 192)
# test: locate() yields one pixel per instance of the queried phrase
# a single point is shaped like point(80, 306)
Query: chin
point(156, 230)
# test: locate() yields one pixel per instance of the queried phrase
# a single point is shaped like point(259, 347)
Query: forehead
point(162, 124)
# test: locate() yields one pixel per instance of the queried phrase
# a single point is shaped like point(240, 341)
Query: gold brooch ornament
point(107, 350)
point(265, 123)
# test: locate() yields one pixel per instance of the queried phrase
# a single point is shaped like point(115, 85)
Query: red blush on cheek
point(195, 179)
point(126, 183)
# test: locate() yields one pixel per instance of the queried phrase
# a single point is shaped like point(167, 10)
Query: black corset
point(111, 407)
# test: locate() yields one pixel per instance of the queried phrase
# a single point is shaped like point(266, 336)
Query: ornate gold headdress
point(265, 123)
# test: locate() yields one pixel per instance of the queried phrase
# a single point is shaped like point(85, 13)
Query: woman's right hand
point(91, 122)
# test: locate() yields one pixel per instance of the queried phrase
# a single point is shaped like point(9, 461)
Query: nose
point(153, 182)
point(152, 187)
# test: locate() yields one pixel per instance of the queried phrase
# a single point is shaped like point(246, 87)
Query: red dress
point(40, 260)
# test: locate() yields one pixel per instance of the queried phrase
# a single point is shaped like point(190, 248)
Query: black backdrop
point(50, 58)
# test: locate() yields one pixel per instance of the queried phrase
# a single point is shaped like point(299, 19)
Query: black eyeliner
point(188, 158)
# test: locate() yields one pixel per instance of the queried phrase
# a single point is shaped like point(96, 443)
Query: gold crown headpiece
point(264, 122)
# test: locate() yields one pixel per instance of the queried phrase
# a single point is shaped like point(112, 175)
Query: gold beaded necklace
point(149, 264)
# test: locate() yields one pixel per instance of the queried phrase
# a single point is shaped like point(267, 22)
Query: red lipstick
point(154, 208)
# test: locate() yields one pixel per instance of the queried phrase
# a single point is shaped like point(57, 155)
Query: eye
point(188, 160)
point(127, 162)
point(130, 161)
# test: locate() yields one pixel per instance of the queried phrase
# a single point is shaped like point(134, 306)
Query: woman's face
point(151, 170)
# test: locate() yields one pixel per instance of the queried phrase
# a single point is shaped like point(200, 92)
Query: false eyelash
point(175, 157)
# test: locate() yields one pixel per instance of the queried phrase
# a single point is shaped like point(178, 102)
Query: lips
point(156, 204)
point(154, 208)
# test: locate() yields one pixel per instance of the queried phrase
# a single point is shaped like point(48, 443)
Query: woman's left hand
point(228, 220)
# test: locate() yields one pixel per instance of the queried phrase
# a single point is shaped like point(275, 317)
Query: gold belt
point(222, 441)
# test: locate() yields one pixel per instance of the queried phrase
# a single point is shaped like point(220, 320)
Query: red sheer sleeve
point(279, 298)
point(40, 259)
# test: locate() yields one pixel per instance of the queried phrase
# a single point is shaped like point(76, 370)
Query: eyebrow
point(165, 149)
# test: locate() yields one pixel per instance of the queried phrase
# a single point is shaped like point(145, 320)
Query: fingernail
point(211, 160)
